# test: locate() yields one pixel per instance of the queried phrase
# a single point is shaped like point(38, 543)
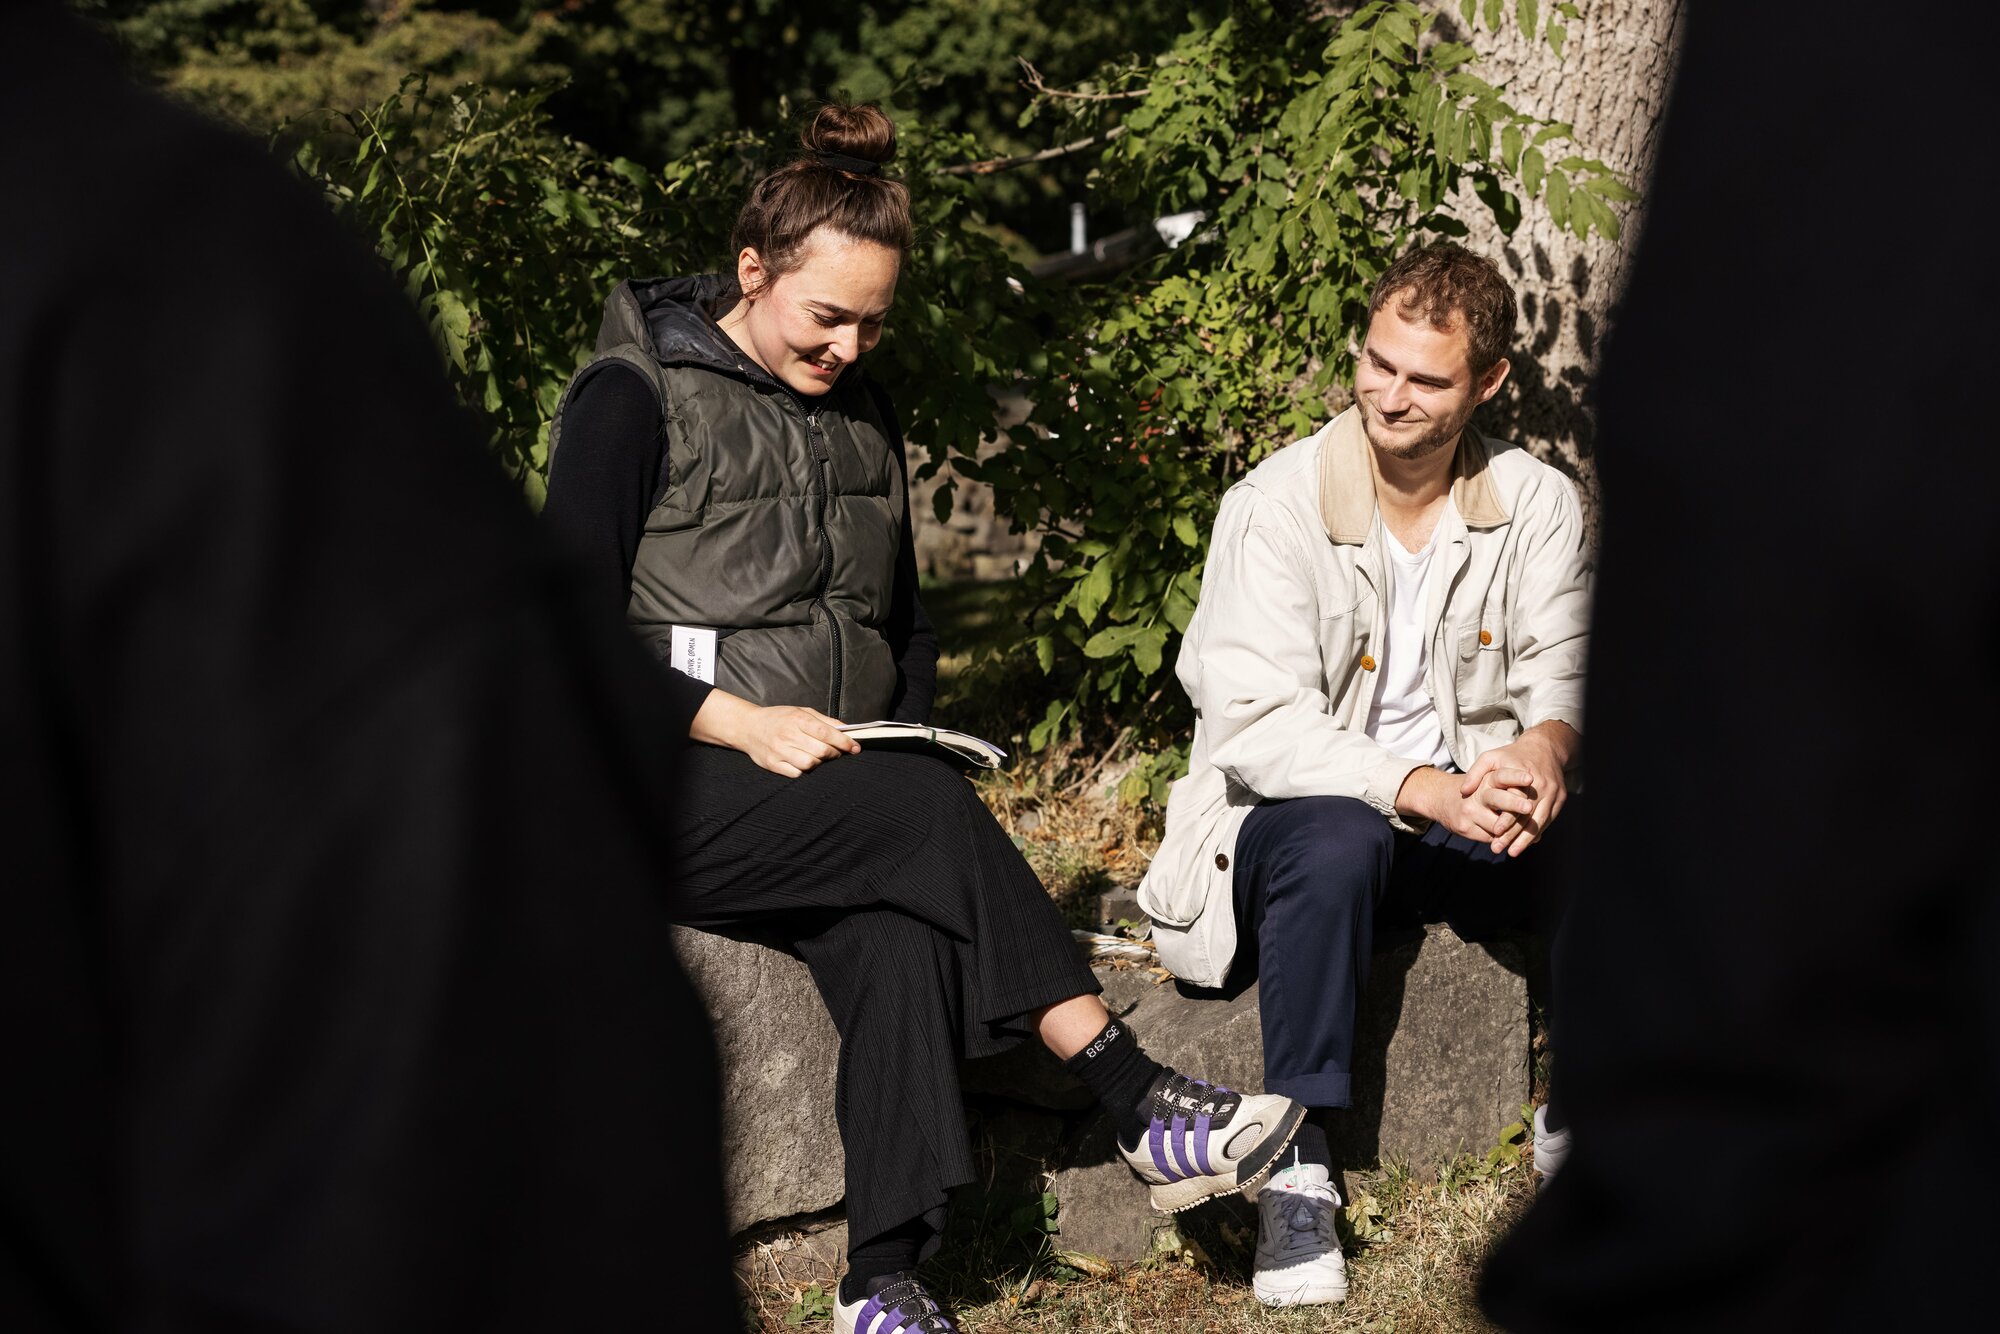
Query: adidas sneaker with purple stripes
point(903, 1307)
point(1205, 1140)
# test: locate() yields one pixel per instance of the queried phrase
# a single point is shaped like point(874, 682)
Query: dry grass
point(1066, 818)
point(1416, 1275)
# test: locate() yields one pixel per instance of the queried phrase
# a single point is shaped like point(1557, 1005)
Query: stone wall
point(975, 542)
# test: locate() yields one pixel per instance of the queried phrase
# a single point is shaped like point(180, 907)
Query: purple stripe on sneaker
point(1201, 1125)
point(1177, 1141)
point(865, 1322)
point(893, 1319)
point(1156, 1143)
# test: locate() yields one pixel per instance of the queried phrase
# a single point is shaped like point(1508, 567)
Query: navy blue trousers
point(1316, 879)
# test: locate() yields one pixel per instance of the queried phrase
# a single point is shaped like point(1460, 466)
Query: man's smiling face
point(1415, 385)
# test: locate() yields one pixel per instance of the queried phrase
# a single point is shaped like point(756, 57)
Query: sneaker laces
point(919, 1311)
point(1175, 1094)
point(1304, 1220)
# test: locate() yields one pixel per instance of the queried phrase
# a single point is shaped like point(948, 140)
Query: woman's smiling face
point(808, 325)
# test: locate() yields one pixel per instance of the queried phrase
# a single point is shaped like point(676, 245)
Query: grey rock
point(1101, 1208)
point(1120, 905)
point(781, 1153)
point(1441, 1047)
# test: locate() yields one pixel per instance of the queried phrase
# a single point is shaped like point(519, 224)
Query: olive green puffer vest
point(778, 516)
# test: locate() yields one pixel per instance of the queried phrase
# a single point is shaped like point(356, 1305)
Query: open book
point(960, 746)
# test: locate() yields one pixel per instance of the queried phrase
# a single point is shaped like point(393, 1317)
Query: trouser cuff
point(1323, 1090)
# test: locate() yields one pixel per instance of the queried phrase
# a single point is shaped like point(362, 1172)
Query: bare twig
point(1117, 746)
point(991, 165)
point(1032, 78)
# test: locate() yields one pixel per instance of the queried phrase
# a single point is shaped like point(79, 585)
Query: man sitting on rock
point(1387, 672)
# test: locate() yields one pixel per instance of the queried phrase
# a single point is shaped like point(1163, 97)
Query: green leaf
point(941, 501)
point(1148, 649)
point(1044, 731)
point(1045, 653)
point(1185, 530)
point(1558, 199)
point(1493, 14)
point(1591, 212)
point(1557, 34)
point(1506, 208)
point(1610, 187)
point(1510, 148)
point(1468, 10)
point(1532, 168)
point(1179, 607)
point(1094, 591)
point(1110, 640)
point(1525, 13)
point(454, 323)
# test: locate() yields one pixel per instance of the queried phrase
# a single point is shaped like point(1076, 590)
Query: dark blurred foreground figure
point(335, 985)
point(1781, 1002)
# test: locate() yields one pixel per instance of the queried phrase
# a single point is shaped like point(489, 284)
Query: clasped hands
point(1506, 800)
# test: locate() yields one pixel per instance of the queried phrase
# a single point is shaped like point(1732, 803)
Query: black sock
point(872, 1265)
point(1309, 1145)
point(1118, 1071)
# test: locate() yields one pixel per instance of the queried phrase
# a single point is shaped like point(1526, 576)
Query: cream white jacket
point(1279, 656)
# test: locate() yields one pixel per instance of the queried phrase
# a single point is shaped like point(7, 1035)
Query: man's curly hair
point(1446, 286)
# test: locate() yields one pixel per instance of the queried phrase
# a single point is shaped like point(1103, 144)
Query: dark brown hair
point(1445, 284)
point(808, 193)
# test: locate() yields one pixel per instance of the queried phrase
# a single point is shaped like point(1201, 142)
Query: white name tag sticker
point(694, 652)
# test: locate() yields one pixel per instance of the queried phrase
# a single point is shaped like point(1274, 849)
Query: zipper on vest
point(817, 443)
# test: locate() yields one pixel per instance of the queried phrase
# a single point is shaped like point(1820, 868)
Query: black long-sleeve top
point(606, 479)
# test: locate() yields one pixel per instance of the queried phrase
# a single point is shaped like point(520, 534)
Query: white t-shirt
point(1401, 717)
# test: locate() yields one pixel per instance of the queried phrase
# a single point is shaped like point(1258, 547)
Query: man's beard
point(1440, 434)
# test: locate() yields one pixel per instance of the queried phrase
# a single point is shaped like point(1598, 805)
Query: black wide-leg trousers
point(927, 934)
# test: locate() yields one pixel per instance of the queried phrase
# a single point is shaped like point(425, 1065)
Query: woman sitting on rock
point(724, 466)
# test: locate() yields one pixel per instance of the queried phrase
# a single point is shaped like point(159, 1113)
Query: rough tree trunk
point(1611, 84)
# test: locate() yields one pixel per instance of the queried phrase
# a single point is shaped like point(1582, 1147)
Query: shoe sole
point(1176, 1196)
point(1304, 1294)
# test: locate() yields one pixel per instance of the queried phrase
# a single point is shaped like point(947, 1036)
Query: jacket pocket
point(1480, 673)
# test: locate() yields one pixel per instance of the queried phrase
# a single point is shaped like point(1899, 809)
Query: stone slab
point(781, 1153)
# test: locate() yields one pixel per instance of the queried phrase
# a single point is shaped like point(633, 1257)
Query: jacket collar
point(674, 321)
point(1347, 481)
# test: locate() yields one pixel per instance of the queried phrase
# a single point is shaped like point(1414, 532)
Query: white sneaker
point(1551, 1146)
point(901, 1308)
point(1298, 1255)
point(1206, 1140)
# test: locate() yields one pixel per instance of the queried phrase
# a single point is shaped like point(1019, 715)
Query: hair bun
point(862, 131)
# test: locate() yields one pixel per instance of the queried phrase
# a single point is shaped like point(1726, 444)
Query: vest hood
point(674, 319)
